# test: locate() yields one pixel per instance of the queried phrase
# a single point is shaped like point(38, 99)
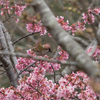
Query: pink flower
point(17, 20)
point(36, 28)
point(88, 18)
point(96, 11)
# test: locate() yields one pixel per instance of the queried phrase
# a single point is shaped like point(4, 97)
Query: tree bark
point(6, 59)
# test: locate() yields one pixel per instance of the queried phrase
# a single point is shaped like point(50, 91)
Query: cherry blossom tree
point(74, 71)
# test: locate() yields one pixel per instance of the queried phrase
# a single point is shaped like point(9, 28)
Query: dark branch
point(31, 65)
point(38, 58)
point(34, 88)
point(54, 73)
point(9, 71)
point(23, 38)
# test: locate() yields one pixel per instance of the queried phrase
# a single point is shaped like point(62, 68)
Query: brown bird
point(40, 49)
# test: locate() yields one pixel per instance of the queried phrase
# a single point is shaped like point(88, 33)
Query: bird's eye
point(50, 50)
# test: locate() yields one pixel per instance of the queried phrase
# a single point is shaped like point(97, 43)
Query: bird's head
point(47, 47)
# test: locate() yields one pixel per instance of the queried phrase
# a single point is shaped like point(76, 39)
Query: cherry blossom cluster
point(89, 17)
point(96, 52)
point(76, 86)
point(63, 56)
point(36, 27)
point(65, 25)
point(24, 62)
point(4, 2)
point(73, 28)
point(8, 9)
point(37, 87)
point(18, 9)
point(68, 87)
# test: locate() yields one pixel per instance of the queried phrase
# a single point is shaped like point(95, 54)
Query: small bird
point(41, 50)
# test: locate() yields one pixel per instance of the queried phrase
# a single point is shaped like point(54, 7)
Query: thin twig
point(91, 4)
point(8, 17)
point(34, 88)
point(94, 45)
point(80, 40)
point(54, 73)
point(66, 12)
point(55, 55)
point(25, 32)
point(23, 38)
point(33, 65)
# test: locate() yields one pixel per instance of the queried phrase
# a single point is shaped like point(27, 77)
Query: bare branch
point(6, 61)
point(94, 45)
point(34, 88)
point(8, 16)
point(55, 55)
point(31, 65)
point(25, 32)
point(80, 40)
point(66, 12)
point(98, 31)
point(9, 70)
point(22, 38)
point(38, 58)
point(91, 4)
point(8, 39)
point(54, 74)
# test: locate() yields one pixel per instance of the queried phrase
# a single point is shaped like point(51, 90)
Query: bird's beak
point(50, 50)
